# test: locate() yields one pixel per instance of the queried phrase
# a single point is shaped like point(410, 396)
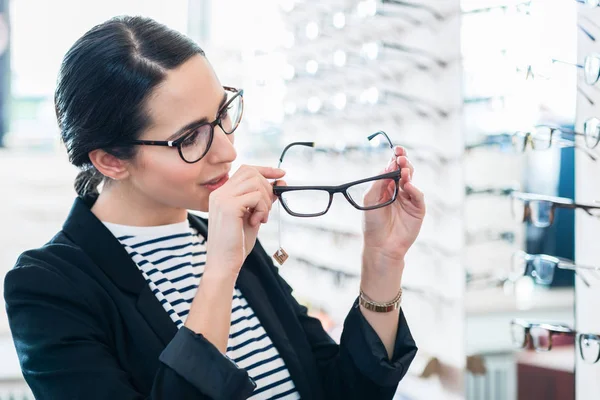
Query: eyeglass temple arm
point(437, 15)
point(412, 103)
point(554, 60)
point(372, 136)
point(585, 95)
point(307, 144)
point(412, 50)
point(586, 33)
point(565, 143)
point(570, 265)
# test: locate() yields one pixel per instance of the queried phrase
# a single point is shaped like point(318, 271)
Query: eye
point(225, 112)
point(191, 139)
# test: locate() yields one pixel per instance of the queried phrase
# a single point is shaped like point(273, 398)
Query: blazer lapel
point(84, 229)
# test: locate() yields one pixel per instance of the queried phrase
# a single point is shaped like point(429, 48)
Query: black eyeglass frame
point(218, 121)
point(280, 190)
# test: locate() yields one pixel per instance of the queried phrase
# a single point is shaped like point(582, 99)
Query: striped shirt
point(171, 259)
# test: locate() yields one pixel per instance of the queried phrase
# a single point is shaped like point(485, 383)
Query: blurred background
point(496, 102)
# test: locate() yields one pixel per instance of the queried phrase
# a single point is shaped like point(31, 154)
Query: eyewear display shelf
point(587, 230)
point(353, 68)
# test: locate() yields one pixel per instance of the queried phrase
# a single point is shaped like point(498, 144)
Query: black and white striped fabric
point(172, 258)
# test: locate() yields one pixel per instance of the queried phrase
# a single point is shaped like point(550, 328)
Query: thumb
point(279, 182)
point(380, 186)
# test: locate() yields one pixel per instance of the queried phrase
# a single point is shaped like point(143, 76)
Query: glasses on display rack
point(589, 347)
point(542, 267)
point(194, 140)
point(539, 209)
point(489, 235)
point(539, 336)
point(589, 3)
point(543, 137)
point(495, 191)
point(522, 7)
point(417, 6)
point(590, 67)
point(591, 131)
point(500, 141)
point(314, 201)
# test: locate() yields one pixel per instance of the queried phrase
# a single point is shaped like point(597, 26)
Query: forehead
point(190, 92)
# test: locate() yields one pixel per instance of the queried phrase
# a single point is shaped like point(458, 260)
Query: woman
point(133, 300)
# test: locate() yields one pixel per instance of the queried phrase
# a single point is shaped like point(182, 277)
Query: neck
point(125, 206)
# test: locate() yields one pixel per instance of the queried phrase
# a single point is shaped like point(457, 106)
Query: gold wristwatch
point(374, 306)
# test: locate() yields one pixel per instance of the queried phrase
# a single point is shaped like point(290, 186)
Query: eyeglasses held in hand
point(194, 140)
point(540, 209)
point(542, 266)
point(313, 201)
point(543, 137)
point(537, 335)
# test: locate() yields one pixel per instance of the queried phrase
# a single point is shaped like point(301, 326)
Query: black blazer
point(86, 326)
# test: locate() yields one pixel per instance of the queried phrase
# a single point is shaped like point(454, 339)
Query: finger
point(404, 162)
point(399, 151)
point(279, 182)
point(268, 172)
point(254, 203)
point(416, 196)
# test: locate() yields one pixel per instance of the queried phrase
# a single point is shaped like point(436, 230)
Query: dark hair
point(104, 82)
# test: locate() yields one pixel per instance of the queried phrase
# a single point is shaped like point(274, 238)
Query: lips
point(217, 182)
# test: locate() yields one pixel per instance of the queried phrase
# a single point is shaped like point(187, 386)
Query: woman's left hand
point(390, 231)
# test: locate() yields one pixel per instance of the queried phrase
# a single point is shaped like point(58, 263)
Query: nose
point(221, 149)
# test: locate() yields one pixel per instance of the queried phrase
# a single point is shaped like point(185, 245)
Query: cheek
point(166, 172)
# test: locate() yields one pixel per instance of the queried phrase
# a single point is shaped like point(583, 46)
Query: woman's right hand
point(235, 212)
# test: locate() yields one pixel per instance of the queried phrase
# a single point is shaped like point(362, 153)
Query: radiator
point(499, 382)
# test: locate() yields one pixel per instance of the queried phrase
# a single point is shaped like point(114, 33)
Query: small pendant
point(280, 255)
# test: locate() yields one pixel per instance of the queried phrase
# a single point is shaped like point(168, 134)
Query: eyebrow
point(194, 124)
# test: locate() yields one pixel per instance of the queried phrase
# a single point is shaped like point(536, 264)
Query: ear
point(109, 165)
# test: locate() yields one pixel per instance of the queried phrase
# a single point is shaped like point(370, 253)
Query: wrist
point(381, 278)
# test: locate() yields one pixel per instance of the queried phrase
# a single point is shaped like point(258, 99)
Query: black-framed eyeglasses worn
point(195, 140)
point(537, 335)
point(540, 210)
point(541, 267)
point(314, 201)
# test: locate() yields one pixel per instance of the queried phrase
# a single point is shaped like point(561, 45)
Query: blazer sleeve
point(359, 367)
point(65, 353)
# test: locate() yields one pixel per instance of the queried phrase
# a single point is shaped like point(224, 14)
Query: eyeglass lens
point(589, 348)
point(591, 129)
point(197, 143)
point(591, 68)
